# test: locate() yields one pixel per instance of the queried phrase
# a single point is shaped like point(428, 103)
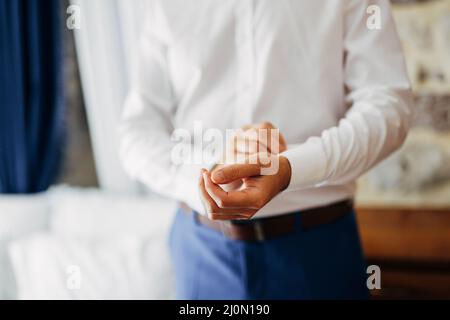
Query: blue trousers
point(325, 262)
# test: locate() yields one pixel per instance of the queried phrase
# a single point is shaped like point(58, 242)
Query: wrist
point(285, 172)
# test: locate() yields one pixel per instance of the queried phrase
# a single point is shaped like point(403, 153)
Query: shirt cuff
point(308, 164)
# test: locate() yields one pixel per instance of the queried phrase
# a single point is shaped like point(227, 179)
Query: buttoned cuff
point(308, 164)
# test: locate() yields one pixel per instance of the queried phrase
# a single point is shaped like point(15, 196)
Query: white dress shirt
point(337, 91)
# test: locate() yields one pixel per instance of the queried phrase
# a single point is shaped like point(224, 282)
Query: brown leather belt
point(266, 228)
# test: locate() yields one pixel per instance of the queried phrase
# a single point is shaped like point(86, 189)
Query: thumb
point(235, 172)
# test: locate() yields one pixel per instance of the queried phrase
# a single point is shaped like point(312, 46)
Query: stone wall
point(418, 175)
point(424, 27)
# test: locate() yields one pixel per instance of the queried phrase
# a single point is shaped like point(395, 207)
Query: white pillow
point(52, 267)
point(19, 215)
point(97, 214)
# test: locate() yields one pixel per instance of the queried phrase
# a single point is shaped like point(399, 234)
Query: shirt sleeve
point(146, 128)
point(380, 103)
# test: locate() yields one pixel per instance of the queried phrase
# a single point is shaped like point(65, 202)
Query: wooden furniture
point(412, 248)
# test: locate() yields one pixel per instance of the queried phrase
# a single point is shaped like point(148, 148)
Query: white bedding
point(116, 244)
point(19, 216)
point(52, 267)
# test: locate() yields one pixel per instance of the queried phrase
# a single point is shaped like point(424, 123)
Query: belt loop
point(223, 226)
point(259, 231)
point(195, 217)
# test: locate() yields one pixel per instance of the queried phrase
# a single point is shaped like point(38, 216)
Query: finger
point(234, 157)
point(230, 147)
point(230, 173)
point(263, 159)
point(281, 139)
point(249, 145)
point(256, 138)
point(259, 140)
point(271, 139)
point(251, 139)
point(283, 145)
point(206, 199)
point(253, 166)
point(243, 202)
point(233, 201)
point(214, 191)
point(240, 158)
point(214, 210)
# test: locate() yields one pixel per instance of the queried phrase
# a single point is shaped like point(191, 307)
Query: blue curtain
point(31, 94)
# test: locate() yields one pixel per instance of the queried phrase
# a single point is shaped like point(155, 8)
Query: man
point(338, 92)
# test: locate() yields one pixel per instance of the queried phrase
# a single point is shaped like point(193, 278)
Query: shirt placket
point(245, 63)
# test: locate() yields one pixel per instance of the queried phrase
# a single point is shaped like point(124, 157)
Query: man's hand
point(254, 139)
point(263, 138)
point(255, 192)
